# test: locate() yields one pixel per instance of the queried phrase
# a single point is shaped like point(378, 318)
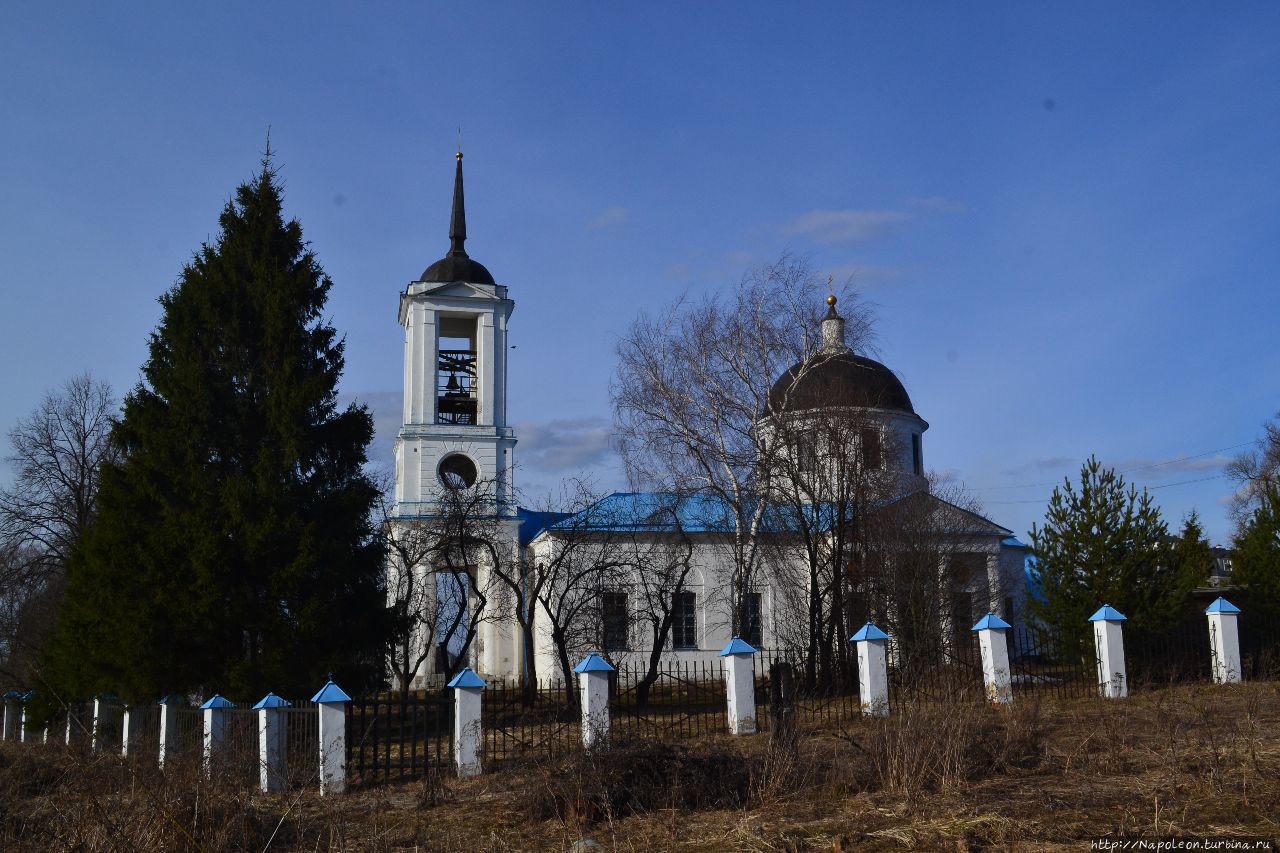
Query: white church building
point(456, 433)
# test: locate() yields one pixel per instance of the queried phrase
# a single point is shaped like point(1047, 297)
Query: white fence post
point(10, 715)
point(466, 721)
point(169, 706)
point(131, 729)
point(332, 701)
point(23, 735)
point(72, 714)
point(273, 770)
point(873, 670)
point(593, 682)
point(215, 726)
point(1224, 641)
point(995, 658)
point(1108, 637)
point(106, 721)
point(740, 686)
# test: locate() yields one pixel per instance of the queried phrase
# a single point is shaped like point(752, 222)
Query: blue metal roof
point(738, 646)
point(594, 663)
point(331, 693)
point(466, 678)
point(990, 622)
point(868, 632)
point(1222, 606)
point(532, 522)
point(217, 700)
point(271, 700)
point(1012, 542)
point(1107, 613)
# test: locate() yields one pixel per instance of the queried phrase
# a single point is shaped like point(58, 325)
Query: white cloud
point(610, 217)
point(565, 445)
point(845, 226)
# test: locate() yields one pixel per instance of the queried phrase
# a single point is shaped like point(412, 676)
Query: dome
point(839, 379)
point(457, 268)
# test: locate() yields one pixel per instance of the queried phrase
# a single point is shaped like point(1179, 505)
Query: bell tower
point(455, 431)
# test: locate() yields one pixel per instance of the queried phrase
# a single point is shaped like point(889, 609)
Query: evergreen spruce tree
point(1102, 543)
point(1256, 562)
point(233, 549)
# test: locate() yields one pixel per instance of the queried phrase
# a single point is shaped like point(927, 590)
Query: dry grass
point(1187, 760)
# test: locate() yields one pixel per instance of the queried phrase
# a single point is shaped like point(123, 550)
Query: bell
point(453, 382)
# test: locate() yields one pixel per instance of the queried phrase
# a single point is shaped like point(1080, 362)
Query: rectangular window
point(870, 440)
point(613, 617)
point(917, 454)
point(753, 630)
point(684, 621)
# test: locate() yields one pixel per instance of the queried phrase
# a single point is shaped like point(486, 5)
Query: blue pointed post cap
point(1107, 613)
point(331, 693)
point(1222, 606)
point(868, 632)
point(172, 699)
point(594, 663)
point(738, 646)
point(11, 694)
point(466, 678)
point(271, 700)
point(991, 621)
point(217, 700)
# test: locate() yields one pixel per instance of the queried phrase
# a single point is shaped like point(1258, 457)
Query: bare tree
point(57, 454)
point(1257, 472)
point(693, 381)
point(437, 599)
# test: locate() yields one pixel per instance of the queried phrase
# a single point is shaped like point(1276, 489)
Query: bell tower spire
point(458, 221)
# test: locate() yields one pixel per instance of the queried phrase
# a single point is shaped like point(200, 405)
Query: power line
point(1147, 488)
point(1122, 471)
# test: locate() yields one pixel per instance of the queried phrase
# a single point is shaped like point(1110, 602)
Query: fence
point(402, 737)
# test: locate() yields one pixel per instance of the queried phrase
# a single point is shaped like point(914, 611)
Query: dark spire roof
point(457, 266)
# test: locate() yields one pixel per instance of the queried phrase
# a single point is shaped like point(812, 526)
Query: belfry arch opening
point(457, 391)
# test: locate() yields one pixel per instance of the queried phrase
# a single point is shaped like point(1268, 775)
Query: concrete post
point(873, 670)
point(593, 682)
point(71, 722)
point(333, 701)
point(215, 726)
point(23, 735)
point(10, 715)
point(1108, 636)
point(994, 646)
point(169, 706)
point(1224, 641)
point(273, 769)
point(740, 686)
point(131, 731)
point(106, 721)
point(466, 722)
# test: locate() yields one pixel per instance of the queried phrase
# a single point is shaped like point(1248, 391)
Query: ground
point(1179, 761)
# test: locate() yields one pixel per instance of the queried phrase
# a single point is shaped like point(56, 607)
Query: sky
point(1066, 215)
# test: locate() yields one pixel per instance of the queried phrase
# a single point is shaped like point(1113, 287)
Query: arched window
point(684, 620)
point(457, 471)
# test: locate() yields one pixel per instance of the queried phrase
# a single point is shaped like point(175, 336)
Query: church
point(456, 436)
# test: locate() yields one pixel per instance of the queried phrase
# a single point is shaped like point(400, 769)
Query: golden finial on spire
point(459, 154)
point(831, 300)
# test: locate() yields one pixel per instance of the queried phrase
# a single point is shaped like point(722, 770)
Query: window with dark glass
point(684, 621)
point(871, 455)
point(917, 454)
point(753, 629)
point(613, 617)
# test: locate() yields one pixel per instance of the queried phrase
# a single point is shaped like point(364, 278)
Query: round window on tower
point(457, 471)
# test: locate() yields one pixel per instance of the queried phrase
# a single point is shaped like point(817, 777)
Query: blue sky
point(1066, 214)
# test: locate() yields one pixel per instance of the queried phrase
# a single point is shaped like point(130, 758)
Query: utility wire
point(1123, 471)
point(1147, 488)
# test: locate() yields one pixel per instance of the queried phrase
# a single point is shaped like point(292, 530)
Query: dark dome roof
point(457, 268)
point(841, 379)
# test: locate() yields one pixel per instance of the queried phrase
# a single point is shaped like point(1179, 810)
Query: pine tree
point(233, 549)
point(1101, 544)
point(1256, 562)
